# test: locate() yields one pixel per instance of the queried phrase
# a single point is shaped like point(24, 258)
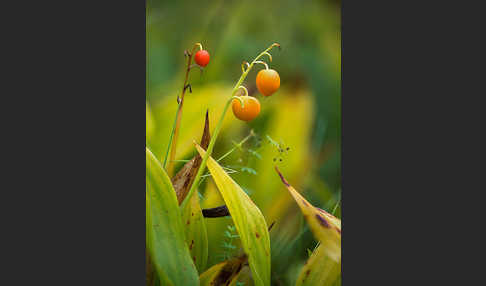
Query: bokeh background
point(304, 115)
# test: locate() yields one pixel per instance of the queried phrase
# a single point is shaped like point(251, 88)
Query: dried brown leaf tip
point(183, 180)
point(271, 225)
point(281, 177)
point(230, 270)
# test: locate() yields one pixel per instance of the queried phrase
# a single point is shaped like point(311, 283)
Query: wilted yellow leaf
point(325, 226)
point(248, 220)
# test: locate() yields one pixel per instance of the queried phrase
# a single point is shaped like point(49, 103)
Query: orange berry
point(267, 81)
point(250, 110)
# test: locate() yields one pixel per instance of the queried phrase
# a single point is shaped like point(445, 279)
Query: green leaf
point(196, 234)
point(248, 170)
point(255, 153)
point(323, 225)
point(164, 231)
point(320, 269)
point(248, 220)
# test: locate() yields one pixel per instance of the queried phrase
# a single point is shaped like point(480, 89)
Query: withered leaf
point(224, 273)
point(326, 227)
point(183, 180)
point(229, 271)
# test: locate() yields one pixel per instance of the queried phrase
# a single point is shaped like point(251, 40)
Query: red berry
point(202, 58)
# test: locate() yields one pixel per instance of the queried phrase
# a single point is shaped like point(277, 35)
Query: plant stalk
point(174, 135)
point(236, 146)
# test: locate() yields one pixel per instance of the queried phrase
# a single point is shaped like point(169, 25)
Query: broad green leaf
point(165, 233)
point(248, 219)
point(325, 226)
point(224, 273)
point(196, 235)
point(320, 269)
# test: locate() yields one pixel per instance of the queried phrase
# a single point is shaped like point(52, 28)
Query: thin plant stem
point(170, 139)
point(236, 146)
point(174, 136)
point(336, 206)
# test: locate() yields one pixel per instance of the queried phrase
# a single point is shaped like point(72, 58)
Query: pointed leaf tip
point(282, 177)
point(325, 227)
point(183, 180)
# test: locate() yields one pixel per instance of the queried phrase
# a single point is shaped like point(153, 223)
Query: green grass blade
point(248, 219)
point(320, 269)
point(165, 233)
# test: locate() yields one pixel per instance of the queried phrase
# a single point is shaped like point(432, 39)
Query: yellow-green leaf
point(248, 220)
point(325, 226)
point(164, 230)
point(196, 235)
point(320, 269)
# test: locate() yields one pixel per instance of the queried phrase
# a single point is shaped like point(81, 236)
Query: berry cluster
point(267, 82)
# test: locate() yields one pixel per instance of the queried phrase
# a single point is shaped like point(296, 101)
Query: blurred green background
point(304, 115)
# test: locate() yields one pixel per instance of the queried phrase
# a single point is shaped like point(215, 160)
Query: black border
point(73, 199)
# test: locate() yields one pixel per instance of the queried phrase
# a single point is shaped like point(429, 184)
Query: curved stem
point(243, 64)
point(244, 89)
point(263, 63)
point(199, 45)
point(243, 76)
point(269, 55)
point(240, 100)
